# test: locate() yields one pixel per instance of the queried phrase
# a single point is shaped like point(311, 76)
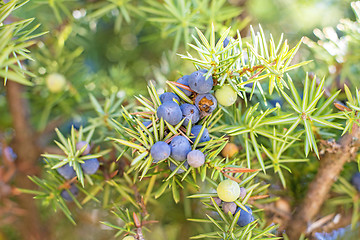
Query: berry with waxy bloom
point(198, 82)
point(196, 158)
point(190, 112)
point(170, 112)
point(180, 147)
point(160, 151)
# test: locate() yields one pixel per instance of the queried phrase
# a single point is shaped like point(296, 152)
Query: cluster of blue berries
point(89, 167)
point(205, 103)
point(180, 150)
point(173, 112)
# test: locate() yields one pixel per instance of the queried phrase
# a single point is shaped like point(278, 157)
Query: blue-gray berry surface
point(190, 112)
point(206, 102)
point(180, 147)
point(147, 123)
point(170, 112)
point(169, 97)
point(90, 166)
point(195, 130)
point(226, 42)
point(245, 217)
point(66, 195)
point(217, 200)
point(184, 80)
point(173, 167)
point(82, 144)
point(66, 171)
point(196, 158)
point(160, 151)
point(199, 84)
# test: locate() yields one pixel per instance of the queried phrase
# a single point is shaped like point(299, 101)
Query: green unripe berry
point(55, 82)
point(226, 95)
point(228, 190)
point(129, 238)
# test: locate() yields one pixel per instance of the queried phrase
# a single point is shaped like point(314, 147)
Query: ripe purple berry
point(229, 207)
point(170, 112)
point(199, 84)
point(169, 97)
point(216, 200)
point(160, 151)
point(196, 158)
point(66, 171)
point(173, 167)
point(66, 195)
point(245, 217)
point(242, 192)
point(180, 147)
point(82, 144)
point(206, 102)
point(195, 130)
point(184, 80)
point(189, 112)
point(90, 166)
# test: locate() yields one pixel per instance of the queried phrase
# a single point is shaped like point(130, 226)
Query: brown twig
point(331, 164)
point(26, 148)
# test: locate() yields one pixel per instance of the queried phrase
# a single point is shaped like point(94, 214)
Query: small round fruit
point(228, 190)
point(242, 192)
point(82, 144)
point(226, 42)
point(90, 166)
point(55, 82)
point(66, 195)
point(216, 200)
point(180, 147)
point(190, 112)
point(206, 102)
point(226, 95)
point(184, 80)
point(245, 217)
point(66, 171)
point(198, 83)
point(355, 180)
point(181, 170)
point(129, 238)
point(170, 112)
point(169, 97)
point(195, 130)
point(196, 158)
point(229, 150)
point(160, 151)
point(229, 207)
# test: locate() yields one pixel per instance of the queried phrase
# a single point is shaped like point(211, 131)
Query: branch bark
point(331, 164)
point(28, 152)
